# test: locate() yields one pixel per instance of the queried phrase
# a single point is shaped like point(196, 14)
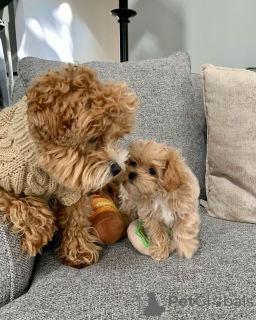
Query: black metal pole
point(123, 14)
point(124, 41)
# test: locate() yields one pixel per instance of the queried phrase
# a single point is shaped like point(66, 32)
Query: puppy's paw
point(34, 244)
point(37, 228)
point(172, 247)
point(186, 249)
point(81, 256)
point(159, 251)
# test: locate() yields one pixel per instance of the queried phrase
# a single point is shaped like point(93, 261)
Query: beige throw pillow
point(230, 109)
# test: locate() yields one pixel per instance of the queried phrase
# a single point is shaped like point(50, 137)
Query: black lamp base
point(123, 14)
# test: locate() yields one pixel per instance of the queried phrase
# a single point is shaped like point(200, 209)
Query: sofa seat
point(123, 283)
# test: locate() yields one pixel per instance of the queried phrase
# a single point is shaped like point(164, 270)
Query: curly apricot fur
point(75, 121)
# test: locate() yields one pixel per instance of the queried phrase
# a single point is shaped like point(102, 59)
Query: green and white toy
point(138, 238)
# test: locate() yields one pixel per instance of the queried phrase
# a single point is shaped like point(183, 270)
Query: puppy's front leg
point(158, 235)
point(127, 209)
point(128, 212)
point(78, 248)
point(185, 234)
point(30, 217)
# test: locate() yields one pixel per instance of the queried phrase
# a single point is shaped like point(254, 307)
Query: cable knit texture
point(19, 172)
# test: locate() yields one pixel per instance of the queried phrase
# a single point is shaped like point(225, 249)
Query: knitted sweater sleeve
point(66, 196)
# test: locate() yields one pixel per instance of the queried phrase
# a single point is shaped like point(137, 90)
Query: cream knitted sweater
point(19, 172)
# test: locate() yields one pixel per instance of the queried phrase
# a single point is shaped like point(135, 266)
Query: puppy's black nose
point(115, 168)
point(132, 175)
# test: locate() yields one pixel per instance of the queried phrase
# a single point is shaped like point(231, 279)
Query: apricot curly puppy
point(162, 192)
point(60, 142)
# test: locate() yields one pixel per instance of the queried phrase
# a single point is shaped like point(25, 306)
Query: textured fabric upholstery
point(229, 96)
point(117, 287)
point(171, 110)
point(15, 269)
point(4, 98)
point(18, 91)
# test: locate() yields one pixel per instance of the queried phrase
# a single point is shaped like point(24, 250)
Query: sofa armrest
point(15, 268)
point(18, 91)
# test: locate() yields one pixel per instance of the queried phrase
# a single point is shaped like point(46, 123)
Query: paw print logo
point(153, 308)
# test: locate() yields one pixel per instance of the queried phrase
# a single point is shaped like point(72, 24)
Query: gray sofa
point(4, 98)
point(217, 283)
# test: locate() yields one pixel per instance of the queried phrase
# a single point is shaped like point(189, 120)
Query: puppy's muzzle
point(115, 168)
point(132, 176)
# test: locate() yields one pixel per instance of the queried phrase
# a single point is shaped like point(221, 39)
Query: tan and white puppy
point(162, 192)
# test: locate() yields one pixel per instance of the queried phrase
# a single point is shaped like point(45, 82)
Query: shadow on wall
point(158, 29)
point(49, 30)
point(95, 32)
point(67, 30)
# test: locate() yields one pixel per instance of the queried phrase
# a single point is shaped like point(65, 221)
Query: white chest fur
point(163, 212)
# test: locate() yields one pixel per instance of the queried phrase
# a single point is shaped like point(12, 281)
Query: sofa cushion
point(230, 108)
point(18, 91)
point(217, 283)
point(15, 269)
point(171, 109)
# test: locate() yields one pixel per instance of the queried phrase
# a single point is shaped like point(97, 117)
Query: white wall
point(81, 30)
point(221, 32)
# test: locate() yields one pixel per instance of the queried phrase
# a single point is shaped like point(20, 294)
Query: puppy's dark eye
point(132, 163)
point(152, 171)
point(93, 140)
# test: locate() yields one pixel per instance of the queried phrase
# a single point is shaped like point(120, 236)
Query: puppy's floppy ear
point(174, 170)
point(49, 112)
point(42, 122)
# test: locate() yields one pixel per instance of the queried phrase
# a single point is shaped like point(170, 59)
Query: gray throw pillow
point(171, 109)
